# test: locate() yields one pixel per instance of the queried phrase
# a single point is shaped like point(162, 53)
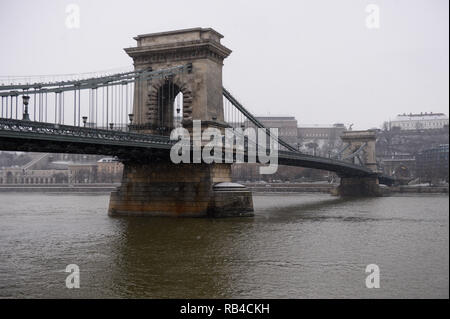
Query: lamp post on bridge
point(26, 116)
point(178, 114)
point(130, 116)
point(84, 120)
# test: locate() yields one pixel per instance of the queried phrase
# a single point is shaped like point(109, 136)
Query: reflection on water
point(297, 246)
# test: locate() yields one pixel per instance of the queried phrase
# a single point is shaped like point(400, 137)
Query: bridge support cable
point(62, 107)
point(249, 118)
point(356, 153)
point(126, 101)
point(339, 154)
point(75, 109)
point(107, 106)
point(46, 106)
point(17, 105)
point(236, 115)
point(101, 102)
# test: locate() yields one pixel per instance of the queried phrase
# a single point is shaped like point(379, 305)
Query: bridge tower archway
point(169, 105)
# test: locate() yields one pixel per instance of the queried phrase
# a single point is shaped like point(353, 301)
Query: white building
point(422, 121)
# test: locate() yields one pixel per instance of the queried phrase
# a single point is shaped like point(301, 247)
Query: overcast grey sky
point(314, 59)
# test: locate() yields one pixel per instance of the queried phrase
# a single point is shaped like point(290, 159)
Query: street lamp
point(131, 116)
point(26, 99)
point(84, 120)
point(111, 125)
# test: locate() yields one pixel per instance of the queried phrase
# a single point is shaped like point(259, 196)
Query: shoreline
point(256, 188)
point(59, 188)
point(326, 188)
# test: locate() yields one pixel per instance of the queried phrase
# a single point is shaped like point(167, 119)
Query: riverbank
point(257, 188)
point(59, 188)
point(328, 188)
point(325, 188)
point(415, 189)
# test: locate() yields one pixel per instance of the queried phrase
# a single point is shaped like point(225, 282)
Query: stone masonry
point(358, 185)
point(158, 187)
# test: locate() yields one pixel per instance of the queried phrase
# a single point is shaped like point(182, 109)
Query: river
point(296, 246)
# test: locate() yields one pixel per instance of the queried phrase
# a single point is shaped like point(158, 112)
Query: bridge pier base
point(367, 186)
point(179, 190)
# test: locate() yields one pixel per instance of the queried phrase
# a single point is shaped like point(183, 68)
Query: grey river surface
point(296, 246)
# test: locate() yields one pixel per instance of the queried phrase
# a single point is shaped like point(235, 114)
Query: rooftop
point(336, 125)
point(420, 116)
point(276, 118)
point(176, 32)
point(107, 160)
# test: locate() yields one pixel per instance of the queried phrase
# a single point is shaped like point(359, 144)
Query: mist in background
point(315, 60)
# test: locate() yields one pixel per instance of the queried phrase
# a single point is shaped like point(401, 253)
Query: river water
point(296, 246)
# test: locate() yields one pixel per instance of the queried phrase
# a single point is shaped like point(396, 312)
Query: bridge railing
point(19, 130)
point(12, 128)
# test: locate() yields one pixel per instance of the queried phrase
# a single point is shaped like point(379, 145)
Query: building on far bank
point(319, 139)
point(109, 170)
point(18, 175)
point(432, 164)
point(323, 140)
point(286, 125)
point(401, 148)
point(422, 121)
point(85, 173)
point(105, 170)
point(45, 168)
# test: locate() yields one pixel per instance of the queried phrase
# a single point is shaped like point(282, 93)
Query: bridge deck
point(19, 135)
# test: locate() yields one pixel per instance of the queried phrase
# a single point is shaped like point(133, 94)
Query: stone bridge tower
point(156, 186)
point(360, 150)
point(201, 88)
point(364, 142)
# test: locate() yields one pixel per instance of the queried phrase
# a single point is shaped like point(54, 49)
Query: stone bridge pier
point(156, 186)
point(360, 149)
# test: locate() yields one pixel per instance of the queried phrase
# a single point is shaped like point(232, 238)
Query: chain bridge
point(176, 80)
